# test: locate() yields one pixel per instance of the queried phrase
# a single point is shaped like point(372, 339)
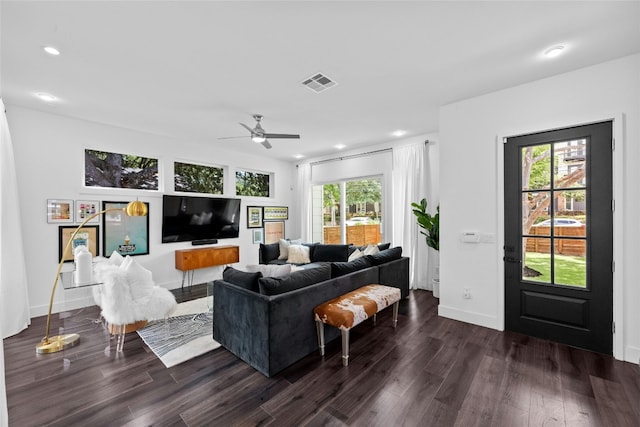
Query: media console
point(188, 260)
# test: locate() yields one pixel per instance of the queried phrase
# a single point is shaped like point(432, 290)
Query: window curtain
point(14, 298)
point(410, 184)
point(304, 199)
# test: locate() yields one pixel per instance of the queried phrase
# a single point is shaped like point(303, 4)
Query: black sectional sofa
point(268, 322)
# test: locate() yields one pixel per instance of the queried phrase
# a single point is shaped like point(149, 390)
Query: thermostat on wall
point(470, 237)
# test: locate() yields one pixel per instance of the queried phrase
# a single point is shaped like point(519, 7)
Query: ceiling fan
point(259, 135)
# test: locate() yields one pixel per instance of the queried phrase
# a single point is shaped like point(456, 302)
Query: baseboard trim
point(632, 354)
point(468, 317)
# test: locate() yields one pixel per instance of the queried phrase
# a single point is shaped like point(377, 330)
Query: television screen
point(189, 218)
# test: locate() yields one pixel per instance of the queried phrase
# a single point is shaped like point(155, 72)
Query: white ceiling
point(194, 69)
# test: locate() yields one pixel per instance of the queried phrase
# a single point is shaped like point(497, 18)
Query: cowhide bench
point(353, 308)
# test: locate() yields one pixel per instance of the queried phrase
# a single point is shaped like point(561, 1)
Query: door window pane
point(537, 267)
point(569, 164)
point(536, 167)
point(570, 262)
point(535, 213)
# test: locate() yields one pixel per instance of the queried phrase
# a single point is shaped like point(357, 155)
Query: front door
point(558, 236)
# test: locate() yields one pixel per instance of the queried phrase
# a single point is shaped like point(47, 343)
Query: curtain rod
point(355, 156)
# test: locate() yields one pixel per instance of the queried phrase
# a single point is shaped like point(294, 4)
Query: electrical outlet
point(467, 293)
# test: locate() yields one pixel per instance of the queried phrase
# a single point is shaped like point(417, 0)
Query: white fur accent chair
point(128, 296)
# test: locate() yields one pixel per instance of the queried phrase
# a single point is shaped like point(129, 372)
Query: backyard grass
point(569, 270)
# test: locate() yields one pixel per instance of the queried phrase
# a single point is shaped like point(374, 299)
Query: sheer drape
point(304, 199)
point(410, 175)
point(14, 299)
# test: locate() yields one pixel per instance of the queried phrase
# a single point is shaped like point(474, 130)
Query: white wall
point(49, 161)
point(471, 192)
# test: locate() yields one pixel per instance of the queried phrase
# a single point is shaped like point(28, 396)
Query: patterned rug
point(183, 336)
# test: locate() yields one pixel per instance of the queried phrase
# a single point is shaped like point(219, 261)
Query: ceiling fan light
point(259, 139)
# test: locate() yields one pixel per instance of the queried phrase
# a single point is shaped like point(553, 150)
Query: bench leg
point(345, 347)
point(320, 329)
point(395, 313)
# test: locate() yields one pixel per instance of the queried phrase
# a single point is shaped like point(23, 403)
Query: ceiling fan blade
point(232, 137)
point(246, 127)
point(281, 135)
point(266, 144)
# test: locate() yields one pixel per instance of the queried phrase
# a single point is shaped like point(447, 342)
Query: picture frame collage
point(267, 223)
point(126, 235)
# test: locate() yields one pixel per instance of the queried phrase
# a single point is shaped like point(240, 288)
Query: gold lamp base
point(57, 343)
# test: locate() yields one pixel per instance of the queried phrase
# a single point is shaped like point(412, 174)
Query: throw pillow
point(341, 268)
point(284, 247)
point(115, 259)
point(330, 253)
point(355, 255)
point(383, 246)
point(299, 279)
point(242, 278)
point(270, 270)
point(298, 254)
point(371, 249)
point(386, 255)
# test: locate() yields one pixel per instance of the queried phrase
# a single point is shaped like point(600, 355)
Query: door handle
point(511, 259)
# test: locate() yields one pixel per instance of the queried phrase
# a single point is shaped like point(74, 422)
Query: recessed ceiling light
point(340, 146)
point(51, 50)
point(46, 97)
point(399, 132)
point(554, 51)
point(298, 156)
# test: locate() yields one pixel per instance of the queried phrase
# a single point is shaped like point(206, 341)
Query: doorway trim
point(618, 120)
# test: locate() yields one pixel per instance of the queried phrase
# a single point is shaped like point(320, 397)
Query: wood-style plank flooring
point(430, 371)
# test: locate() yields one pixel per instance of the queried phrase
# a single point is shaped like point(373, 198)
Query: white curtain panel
point(304, 199)
point(14, 298)
point(4, 413)
point(410, 175)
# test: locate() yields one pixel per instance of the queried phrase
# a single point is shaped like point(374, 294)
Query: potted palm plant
point(430, 225)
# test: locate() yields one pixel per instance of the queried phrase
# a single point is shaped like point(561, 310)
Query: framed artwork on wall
point(86, 208)
point(59, 211)
point(127, 235)
point(88, 236)
point(273, 231)
point(254, 216)
point(276, 213)
point(258, 236)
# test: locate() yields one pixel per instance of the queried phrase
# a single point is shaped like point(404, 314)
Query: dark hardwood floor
point(430, 371)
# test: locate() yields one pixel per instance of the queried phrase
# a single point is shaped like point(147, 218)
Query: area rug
point(183, 336)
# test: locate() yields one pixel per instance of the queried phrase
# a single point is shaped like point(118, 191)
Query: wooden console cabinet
point(188, 260)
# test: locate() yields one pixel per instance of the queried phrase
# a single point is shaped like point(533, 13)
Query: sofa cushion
point(299, 254)
point(381, 246)
point(270, 270)
point(296, 280)
point(385, 256)
point(330, 253)
point(355, 254)
point(244, 279)
point(312, 247)
point(341, 268)
point(269, 252)
point(371, 250)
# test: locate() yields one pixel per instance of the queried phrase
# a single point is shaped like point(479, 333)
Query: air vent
point(318, 83)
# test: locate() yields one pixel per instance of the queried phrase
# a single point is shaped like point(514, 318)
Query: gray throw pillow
point(341, 268)
point(330, 253)
point(385, 256)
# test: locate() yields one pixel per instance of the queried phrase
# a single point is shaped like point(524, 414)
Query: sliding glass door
point(348, 212)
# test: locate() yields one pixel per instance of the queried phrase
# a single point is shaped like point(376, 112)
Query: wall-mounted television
point(190, 218)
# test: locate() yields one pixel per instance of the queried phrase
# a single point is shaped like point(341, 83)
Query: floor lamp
point(60, 342)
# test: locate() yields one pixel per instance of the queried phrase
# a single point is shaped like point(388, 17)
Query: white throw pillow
point(355, 255)
point(371, 250)
point(298, 254)
point(115, 259)
point(270, 270)
point(139, 278)
point(284, 247)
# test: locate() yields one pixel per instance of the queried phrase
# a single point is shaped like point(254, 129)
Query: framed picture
point(59, 211)
point(276, 212)
point(273, 231)
point(127, 235)
point(86, 208)
point(88, 236)
point(258, 236)
point(254, 216)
